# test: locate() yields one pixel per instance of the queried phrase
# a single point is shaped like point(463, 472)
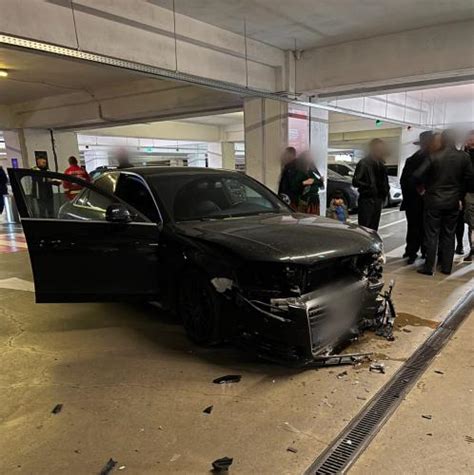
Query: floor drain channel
point(356, 436)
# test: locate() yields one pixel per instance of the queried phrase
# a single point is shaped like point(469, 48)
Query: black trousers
point(440, 230)
point(369, 212)
point(460, 229)
point(415, 229)
point(2, 203)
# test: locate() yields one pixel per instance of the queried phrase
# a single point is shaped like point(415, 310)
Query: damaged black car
point(217, 247)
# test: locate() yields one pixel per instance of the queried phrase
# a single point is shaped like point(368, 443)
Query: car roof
point(147, 171)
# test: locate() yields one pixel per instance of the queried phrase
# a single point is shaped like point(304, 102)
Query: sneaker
point(459, 251)
point(445, 272)
point(411, 260)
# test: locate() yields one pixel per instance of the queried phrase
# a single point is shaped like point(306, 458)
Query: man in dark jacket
point(412, 202)
point(371, 179)
point(3, 188)
point(446, 174)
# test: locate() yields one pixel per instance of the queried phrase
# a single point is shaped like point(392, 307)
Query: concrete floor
point(133, 388)
point(442, 444)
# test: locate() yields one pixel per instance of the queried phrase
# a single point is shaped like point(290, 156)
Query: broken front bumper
point(302, 328)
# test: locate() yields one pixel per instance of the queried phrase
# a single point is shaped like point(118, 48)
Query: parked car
point(395, 193)
point(217, 247)
point(342, 168)
point(342, 184)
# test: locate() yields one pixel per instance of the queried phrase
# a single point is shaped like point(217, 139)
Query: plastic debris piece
point(222, 284)
point(341, 375)
point(109, 466)
point(57, 409)
point(377, 367)
point(349, 442)
point(208, 410)
point(229, 378)
point(175, 457)
point(122, 467)
point(427, 416)
point(292, 449)
point(222, 465)
point(437, 371)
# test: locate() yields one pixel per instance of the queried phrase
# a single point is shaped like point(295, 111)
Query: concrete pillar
point(406, 149)
point(266, 135)
point(228, 155)
point(214, 155)
point(12, 149)
point(221, 155)
point(318, 138)
point(40, 140)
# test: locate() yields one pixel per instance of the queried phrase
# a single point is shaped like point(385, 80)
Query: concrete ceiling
point(34, 76)
point(233, 118)
point(321, 22)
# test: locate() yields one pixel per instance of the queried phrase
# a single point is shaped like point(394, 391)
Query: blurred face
point(378, 150)
point(470, 141)
point(41, 163)
point(435, 144)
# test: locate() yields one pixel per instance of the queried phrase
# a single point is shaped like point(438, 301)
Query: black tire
point(199, 307)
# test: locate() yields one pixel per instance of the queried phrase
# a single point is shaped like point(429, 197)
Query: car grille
point(332, 314)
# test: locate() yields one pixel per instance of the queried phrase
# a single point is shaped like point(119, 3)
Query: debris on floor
point(208, 410)
point(377, 368)
point(290, 428)
point(122, 467)
point(341, 375)
point(292, 449)
point(229, 378)
point(382, 323)
point(109, 466)
point(57, 409)
point(222, 465)
point(437, 371)
point(427, 416)
point(175, 457)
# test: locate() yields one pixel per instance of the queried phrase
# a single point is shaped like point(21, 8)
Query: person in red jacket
point(72, 189)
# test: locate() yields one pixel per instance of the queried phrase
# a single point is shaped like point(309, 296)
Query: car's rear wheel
point(199, 308)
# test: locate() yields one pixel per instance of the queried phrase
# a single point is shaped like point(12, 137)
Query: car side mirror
point(118, 213)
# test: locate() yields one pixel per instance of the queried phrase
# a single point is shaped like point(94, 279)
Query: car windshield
point(190, 196)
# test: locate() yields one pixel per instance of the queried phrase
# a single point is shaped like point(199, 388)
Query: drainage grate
point(351, 442)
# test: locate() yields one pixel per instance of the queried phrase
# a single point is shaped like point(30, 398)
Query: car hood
point(297, 238)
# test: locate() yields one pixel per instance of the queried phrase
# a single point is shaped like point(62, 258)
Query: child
point(337, 209)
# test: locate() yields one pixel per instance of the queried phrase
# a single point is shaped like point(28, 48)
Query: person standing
point(42, 190)
point(412, 202)
point(306, 182)
point(285, 189)
point(3, 188)
point(469, 199)
point(370, 178)
point(445, 175)
point(73, 189)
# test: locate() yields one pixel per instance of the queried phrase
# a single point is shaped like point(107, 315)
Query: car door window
point(132, 190)
point(51, 198)
point(107, 182)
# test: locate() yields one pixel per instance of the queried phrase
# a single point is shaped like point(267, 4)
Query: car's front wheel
point(199, 308)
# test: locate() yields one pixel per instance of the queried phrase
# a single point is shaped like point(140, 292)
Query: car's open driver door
point(84, 244)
